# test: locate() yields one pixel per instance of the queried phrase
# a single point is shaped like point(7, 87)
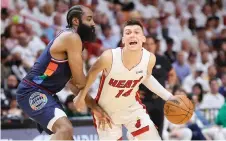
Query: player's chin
point(134, 47)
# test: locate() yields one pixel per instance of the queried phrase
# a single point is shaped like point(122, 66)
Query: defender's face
point(87, 17)
point(133, 37)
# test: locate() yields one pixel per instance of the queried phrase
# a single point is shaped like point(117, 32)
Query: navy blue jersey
point(49, 73)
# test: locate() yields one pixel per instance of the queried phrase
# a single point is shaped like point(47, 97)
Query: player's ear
point(144, 39)
point(75, 21)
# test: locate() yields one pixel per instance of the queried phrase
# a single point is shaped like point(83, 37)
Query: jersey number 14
point(122, 93)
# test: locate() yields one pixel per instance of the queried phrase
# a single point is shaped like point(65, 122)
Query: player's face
point(86, 28)
point(133, 37)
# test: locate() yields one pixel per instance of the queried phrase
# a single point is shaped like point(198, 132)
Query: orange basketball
point(179, 110)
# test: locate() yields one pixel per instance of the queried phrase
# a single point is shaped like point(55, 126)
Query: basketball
point(178, 110)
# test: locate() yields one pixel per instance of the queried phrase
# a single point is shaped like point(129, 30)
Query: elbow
point(79, 84)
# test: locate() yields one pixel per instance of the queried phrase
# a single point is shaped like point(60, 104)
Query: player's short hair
point(75, 11)
point(133, 22)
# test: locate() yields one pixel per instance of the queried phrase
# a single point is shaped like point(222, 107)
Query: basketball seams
point(184, 103)
point(177, 115)
point(183, 115)
point(183, 118)
point(176, 106)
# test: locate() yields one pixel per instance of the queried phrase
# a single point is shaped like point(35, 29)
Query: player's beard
point(86, 33)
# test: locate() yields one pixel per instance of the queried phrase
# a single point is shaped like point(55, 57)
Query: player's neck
point(131, 54)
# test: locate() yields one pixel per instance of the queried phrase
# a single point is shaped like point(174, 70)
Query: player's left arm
point(152, 84)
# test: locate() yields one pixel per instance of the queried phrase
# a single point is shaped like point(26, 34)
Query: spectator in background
point(32, 15)
point(197, 94)
point(47, 14)
point(35, 44)
point(54, 28)
point(181, 67)
point(210, 28)
point(4, 19)
point(169, 53)
point(212, 100)
point(17, 66)
point(206, 59)
point(186, 48)
point(195, 77)
point(14, 111)
point(23, 50)
point(109, 40)
point(192, 24)
point(192, 59)
point(221, 57)
point(11, 37)
point(212, 73)
point(153, 26)
point(11, 86)
point(180, 29)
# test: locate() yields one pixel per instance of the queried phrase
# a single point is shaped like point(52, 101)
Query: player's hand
point(79, 104)
point(102, 117)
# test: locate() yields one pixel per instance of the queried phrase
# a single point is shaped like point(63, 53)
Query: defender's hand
point(79, 104)
point(102, 117)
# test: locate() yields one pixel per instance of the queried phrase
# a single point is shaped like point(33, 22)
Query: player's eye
point(127, 33)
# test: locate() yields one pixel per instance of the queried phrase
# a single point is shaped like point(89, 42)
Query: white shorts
point(135, 119)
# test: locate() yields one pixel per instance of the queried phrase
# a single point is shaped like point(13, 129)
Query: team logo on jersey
point(138, 123)
point(158, 66)
point(37, 101)
point(51, 68)
point(141, 71)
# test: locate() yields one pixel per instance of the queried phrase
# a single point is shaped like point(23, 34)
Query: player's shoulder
point(107, 54)
point(70, 36)
point(152, 56)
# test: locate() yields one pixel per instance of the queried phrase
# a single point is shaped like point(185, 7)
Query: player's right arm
point(73, 48)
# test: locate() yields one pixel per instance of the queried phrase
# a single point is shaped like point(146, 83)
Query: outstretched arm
point(152, 84)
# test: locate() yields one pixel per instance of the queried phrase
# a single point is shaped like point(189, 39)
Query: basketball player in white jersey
point(124, 69)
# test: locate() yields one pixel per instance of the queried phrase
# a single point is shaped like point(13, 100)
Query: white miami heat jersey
point(118, 90)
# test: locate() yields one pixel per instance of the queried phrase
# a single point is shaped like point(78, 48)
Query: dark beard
point(86, 33)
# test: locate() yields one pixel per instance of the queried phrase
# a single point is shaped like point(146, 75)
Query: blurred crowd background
point(191, 34)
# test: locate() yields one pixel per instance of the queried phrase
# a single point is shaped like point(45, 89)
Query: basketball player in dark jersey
point(59, 63)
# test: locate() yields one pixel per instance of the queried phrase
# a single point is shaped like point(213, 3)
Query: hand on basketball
point(102, 117)
point(79, 104)
point(178, 109)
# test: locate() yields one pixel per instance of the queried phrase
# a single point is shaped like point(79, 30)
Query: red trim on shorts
point(120, 139)
point(34, 84)
point(94, 121)
point(140, 102)
point(140, 131)
point(100, 87)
